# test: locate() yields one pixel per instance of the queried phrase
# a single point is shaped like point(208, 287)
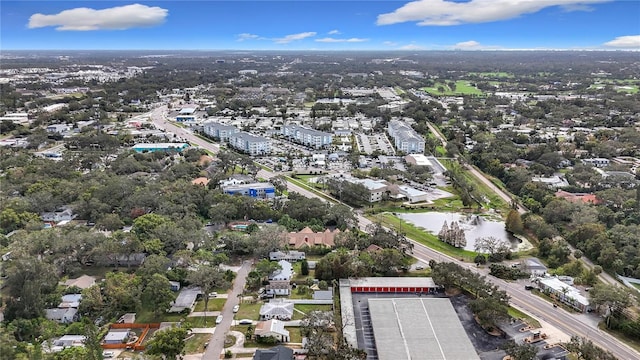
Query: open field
point(195, 343)
point(463, 87)
point(214, 305)
point(249, 311)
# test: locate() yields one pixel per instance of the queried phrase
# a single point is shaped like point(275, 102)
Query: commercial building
point(163, 147)
point(307, 136)
point(219, 131)
point(256, 190)
point(564, 293)
point(413, 195)
point(597, 162)
point(419, 328)
point(377, 188)
point(405, 138)
point(250, 144)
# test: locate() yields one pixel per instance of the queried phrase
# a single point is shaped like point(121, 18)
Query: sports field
point(463, 87)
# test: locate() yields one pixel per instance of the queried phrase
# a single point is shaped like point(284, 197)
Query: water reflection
point(474, 226)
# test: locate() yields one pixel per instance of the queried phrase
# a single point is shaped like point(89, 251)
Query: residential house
point(276, 353)
point(82, 282)
point(116, 336)
point(250, 144)
point(578, 197)
point(62, 315)
point(277, 309)
point(279, 280)
point(272, 328)
point(555, 181)
point(202, 181)
point(70, 301)
point(405, 138)
point(66, 341)
point(291, 256)
point(323, 294)
point(64, 214)
point(308, 238)
point(175, 285)
point(128, 318)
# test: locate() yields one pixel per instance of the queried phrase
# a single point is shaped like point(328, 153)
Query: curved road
point(564, 321)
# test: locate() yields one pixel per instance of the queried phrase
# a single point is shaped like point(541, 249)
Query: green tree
point(613, 298)
point(145, 224)
point(513, 223)
point(158, 293)
point(208, 278)
point(167, 343)
point(304, 268)
point(520, 351)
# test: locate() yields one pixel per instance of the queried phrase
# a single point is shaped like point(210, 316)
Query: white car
point(108, 354)
point(219, 319)
point(236, 308)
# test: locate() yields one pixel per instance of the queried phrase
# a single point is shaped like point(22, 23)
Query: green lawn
point(146, 315)
point(249, 311)
point(423, 237)
point(306, 308)
point(295, 335)
point(200, 321)
point(215, 304)
point(517, 314)
point(463, 87)
point(195, 343)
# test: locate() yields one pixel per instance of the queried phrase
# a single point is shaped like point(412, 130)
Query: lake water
point(473, 225)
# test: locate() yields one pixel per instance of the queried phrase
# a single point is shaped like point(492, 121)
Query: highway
point(570, 324)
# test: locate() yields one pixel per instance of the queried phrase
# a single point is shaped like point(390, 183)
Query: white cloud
point(412, 47)
point(247, 36)
point(334, 32)
point(625, 42)
point(445, 12)
point(293, 37)
point(115, 18)
point(471, 44)
point(334, 40)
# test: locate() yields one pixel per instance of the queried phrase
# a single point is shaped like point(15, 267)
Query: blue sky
point(321, 25)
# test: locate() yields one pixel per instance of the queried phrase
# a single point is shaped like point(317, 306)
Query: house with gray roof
point(277, 309)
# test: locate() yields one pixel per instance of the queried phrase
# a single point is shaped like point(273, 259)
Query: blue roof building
point(255, 190)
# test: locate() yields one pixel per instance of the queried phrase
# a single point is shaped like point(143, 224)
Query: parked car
point(108, 354)
point(236, 308)
point(528, 287)
point(219, 319)
point(213, 294)
point(245, 322)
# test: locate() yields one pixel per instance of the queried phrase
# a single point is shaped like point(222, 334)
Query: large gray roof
point(419, 328)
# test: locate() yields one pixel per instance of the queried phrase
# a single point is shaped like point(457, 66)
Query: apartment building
point(405, 138)
point(307, 136)
point(250, 144)
point(219, 131)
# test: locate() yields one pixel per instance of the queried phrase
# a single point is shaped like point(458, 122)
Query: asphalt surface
point(216, 343)
point(534, 305)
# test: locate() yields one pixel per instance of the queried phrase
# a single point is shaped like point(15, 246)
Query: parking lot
point(372, 143)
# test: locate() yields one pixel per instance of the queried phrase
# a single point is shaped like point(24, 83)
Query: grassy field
point(146, 315)
point(423, 237)
point(195, 343)
point(214, 305)
point(517, 314)
point(463, 87)
point(249, 311)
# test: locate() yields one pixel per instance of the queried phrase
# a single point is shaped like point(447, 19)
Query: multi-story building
point(306, 136)
point(219, 131)
point(250, 144)
point(405, 138)
point(256, 190)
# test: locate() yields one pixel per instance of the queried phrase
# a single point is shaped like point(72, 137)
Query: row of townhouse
point(405, 138)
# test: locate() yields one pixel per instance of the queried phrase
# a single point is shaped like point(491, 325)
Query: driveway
point(216, 344)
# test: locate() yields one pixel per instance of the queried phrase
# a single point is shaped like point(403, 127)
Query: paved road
point(216, 344)
point(569, 323)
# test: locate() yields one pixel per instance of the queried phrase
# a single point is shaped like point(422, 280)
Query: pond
point(474, 226)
